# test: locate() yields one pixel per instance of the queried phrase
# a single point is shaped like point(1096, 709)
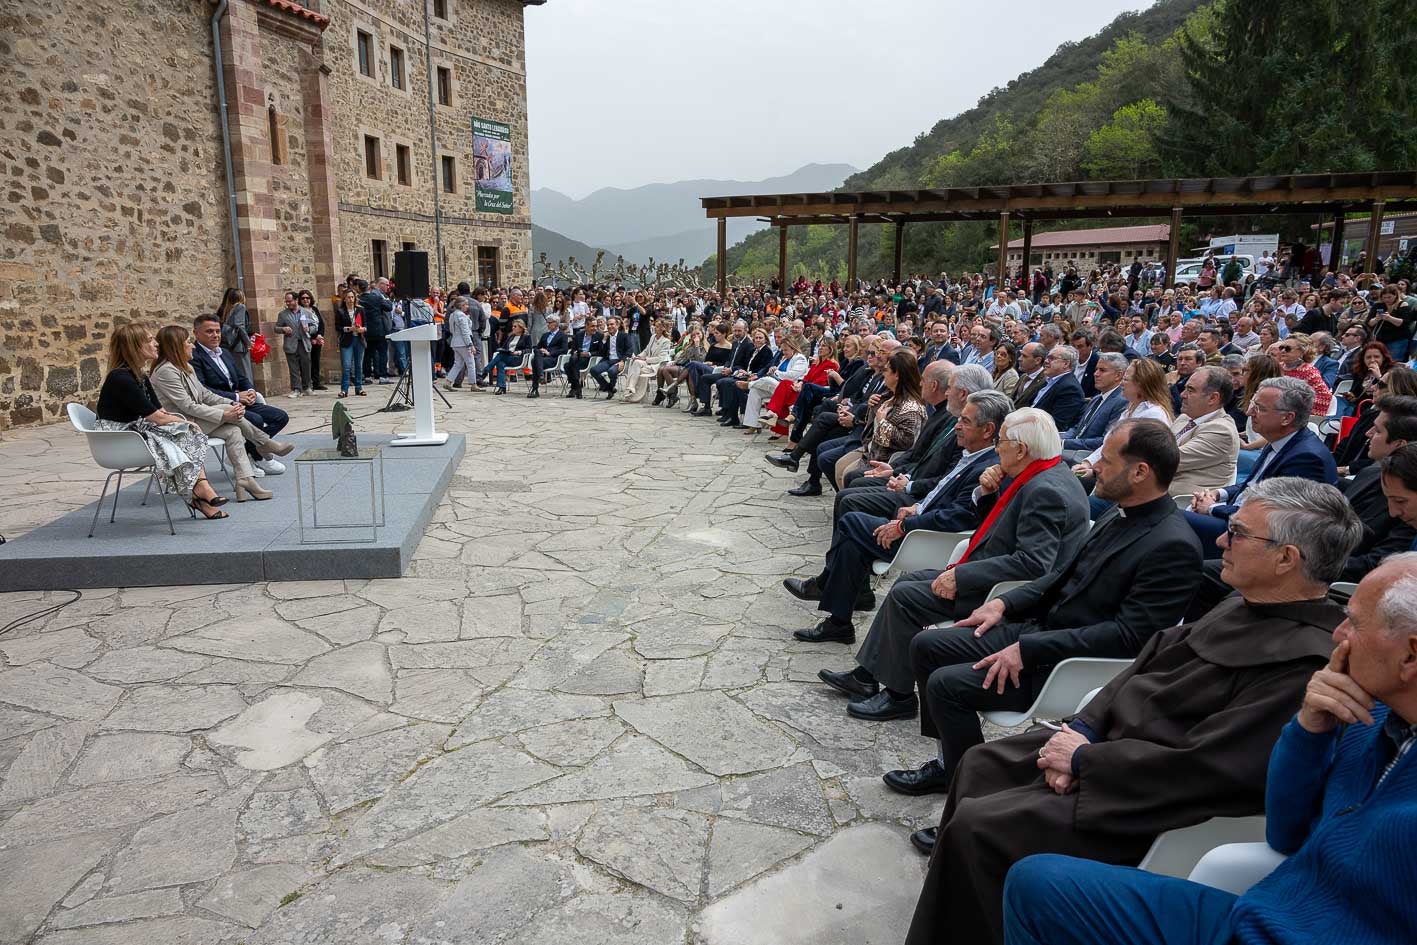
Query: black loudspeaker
point(411, 274)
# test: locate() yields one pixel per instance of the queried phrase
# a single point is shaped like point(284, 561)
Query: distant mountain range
point(663, 221)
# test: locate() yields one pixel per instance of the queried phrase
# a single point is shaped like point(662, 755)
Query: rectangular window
point(440, 9)
point(365, 44)
point(404, 159)
point(396, 67)
point(487, 265)
point(372, 169)
point(379, 258)
point(1109, 256)
point(445, 85)
point(409, 247)
point(450, 174)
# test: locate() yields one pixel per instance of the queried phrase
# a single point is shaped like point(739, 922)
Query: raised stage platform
point(261, 540)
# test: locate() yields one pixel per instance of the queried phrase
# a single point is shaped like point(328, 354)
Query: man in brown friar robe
point(1184, 734)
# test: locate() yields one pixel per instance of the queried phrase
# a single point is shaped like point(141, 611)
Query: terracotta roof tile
point(1148, 233)
point(297, 9)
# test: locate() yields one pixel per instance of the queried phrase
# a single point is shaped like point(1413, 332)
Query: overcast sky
point(630, 92)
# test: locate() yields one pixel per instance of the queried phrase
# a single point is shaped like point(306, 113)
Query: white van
point(1189, 270)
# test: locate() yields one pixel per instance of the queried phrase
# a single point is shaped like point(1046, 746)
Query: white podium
point(420, 387)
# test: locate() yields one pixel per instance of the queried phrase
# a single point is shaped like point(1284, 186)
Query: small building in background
point(1087, 249)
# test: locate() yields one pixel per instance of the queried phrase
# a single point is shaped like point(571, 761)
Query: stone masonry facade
point(114, 206)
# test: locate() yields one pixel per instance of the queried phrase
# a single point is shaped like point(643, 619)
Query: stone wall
point(113, 207)
point(482, 43)
point(114, 197)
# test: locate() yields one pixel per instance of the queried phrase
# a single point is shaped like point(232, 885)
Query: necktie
point(1186, 432)
point(1090, 412)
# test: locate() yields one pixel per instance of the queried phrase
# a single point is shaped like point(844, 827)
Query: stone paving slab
point(579, 715)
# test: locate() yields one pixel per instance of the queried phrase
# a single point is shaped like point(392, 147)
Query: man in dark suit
point(1034, 514)
point(1101, 410)
point(702, 379)
point(1188, 359)
point(1280, 413)
point(583, 346)
point(733, 389)
point(218, 372)
point(939, 347)
point(1130, 578)
point(379, 320)
point(1061, 395)
point(857, 540)
point(1030, 373)
point(1085, 343)
point(552, 344)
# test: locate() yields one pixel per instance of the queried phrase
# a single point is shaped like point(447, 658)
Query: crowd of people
point(1170, 477)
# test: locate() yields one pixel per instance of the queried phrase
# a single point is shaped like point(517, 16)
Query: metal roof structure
point(1331, 194)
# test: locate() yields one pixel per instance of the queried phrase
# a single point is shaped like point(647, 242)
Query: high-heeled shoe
point(209, 513)
point(246, 488)
point(277, 448)
point(216, 501)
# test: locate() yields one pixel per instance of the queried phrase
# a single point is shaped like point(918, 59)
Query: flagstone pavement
point(580, 716)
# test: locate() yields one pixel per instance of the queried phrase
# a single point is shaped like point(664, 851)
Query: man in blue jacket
point(1102, 409)
point(1280, 412)
point(220, 374)
point(1340, 802)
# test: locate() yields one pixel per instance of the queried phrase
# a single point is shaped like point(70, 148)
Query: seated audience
point(1033, 515)
point(1031, 378)
point(220, 374)
point(692, 348)
point(1101, 411)
point(859, 539)
point(1296, 355)
point(791, 367)
point(1340, 802)
point(1061, 395)
point(1179, 736)
point(180, 393)
point(733, 389)
point(643, 365)
point(516, 344)
point(549, 348)
point(819, 370)
point(894, 423)
point(1128, 577)
point(1006, 368)
point(1280, 414)
point(702, 377)
point(1205, 434)
point(616, 348)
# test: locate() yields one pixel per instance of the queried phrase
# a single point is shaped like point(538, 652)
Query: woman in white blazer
point(645, 365)
point(179, 392)
point(792, 366)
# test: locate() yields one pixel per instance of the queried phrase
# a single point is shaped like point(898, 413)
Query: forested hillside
point(1184, 88)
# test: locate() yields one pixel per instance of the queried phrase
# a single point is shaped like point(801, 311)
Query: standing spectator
point(463, 341)
point(311, 312)
point(296, 342)
point(237, 327)
point(349, 326)
point(1392, 322)
point(378, 322)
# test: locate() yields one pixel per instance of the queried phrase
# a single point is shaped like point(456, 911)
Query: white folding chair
point(1177, 852)
point(122, 451)
point(1069, 682)
point(1235, 867)
point(557, 371)
point(924, 549)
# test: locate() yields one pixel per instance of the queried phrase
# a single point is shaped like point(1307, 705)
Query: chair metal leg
point(162, 494)
point(99, 507)
point(117, 489)
point(147, 492)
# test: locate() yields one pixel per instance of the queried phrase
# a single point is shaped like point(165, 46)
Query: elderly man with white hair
point(1340, 801)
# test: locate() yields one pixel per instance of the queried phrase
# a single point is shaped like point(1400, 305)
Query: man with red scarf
point(1131, 578)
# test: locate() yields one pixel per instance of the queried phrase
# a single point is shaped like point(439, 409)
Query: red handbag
point(259, 348)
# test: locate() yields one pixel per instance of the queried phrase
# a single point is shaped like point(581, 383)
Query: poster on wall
point(492, 165)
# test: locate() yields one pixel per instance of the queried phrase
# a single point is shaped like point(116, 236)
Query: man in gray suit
point(295, 333)
point(1102, 410)
point(1131, 578)
point(1039, 527)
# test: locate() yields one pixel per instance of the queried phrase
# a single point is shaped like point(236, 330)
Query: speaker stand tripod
point(401, 397)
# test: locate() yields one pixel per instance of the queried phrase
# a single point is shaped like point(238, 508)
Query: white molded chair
point(558, 372)
point(1070, 681)
point(218, 448)
point(1346, 588)
point(998, 590)
point(521, 370)
point(1183, 501)
point(1177, 852)
point(1235, 867)
point(121, 451)
point(924, 549)
point(1343, 387)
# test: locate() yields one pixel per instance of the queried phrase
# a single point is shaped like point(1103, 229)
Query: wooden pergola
point(1327, 194)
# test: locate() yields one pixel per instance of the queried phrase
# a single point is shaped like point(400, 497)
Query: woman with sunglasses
point(310, 313)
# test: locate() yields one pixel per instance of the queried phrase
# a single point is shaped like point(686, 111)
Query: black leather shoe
point(828, 632)
point(807, 488)
point(882, 707)
point(783, 461)
point(570, 393)
point(672, 399)
point(866, 600)
point(929, 778)
point(924, 840)
point(803, 590)
point(659, 396)
point(532, 395)
point(847, 684)
point(579, 393)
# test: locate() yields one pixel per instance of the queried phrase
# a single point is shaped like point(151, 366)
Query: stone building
point(350, 137)
point(1088, 249)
